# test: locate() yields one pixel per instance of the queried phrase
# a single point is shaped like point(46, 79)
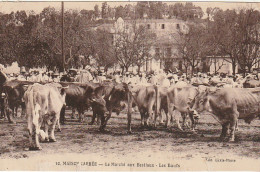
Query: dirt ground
point(82, 142)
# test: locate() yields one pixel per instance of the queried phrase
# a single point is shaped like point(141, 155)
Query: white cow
point(43, 106)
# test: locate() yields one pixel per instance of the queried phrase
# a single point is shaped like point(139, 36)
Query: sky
point(7, 7)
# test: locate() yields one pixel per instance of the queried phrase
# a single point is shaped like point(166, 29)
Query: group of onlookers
point(159, 77)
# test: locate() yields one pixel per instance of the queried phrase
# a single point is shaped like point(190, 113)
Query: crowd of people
point(159, 77)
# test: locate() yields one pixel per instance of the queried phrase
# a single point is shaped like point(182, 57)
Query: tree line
point(233, 35)
point(34, 40)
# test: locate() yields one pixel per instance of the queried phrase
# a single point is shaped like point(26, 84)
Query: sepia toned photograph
point(129, 86)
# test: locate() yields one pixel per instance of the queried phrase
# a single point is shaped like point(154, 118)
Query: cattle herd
point(44, 104)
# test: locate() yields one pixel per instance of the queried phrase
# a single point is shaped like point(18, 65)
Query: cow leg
point(161, 118)
point(13, 112)
point(46, 129)
point(58, 125)
point(52, 128)
point(62, 115)
point(178, 123)
point(142, 119)
point(2, 108)
point(224, 130)
point(104, 119)
point(102, 125)
point(93, 117)
point(30, 131)
point(23, 110)
point(237, 129)
point(16, 111)
point(36, 133)
point(98, 119)
point(170, 112)
point(73, 116)
point(193, 124)
point(184, 115)
point(9, 117)
point(81, 114)
point(233, 124)
point(146, 119)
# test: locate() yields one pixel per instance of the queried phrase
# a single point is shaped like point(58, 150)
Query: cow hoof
point(231, 140)
point(161, 123)
point(35, 148)
point(46, 140)
point(52, 140)
point(102, 130)
point(58, 130)
point(221, 138)
point(12, 122)
point(180, 129)
point(194, 131)
point(90, 123)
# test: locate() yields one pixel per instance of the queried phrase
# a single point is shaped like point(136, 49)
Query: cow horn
point(65, 87)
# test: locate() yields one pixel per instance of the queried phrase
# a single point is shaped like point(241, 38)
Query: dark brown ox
point(108, 98)
point(229, 105)
point(77, 96)
point(13, 92)
point(43, 106)
point(100, 102)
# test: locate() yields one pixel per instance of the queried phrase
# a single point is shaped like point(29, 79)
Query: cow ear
point(62, 91)
point(25, 87)
point(189, 102)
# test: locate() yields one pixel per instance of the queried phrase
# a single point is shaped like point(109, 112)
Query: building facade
point(164, 53)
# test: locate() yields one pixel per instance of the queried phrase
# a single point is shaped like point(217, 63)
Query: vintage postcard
point(129, 86)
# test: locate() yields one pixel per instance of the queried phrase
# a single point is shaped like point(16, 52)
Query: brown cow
point(229, 105)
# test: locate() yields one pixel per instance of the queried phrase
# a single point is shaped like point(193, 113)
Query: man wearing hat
point(126, 78)
point(56, 77)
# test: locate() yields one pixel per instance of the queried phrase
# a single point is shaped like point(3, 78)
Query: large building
point(164, 54)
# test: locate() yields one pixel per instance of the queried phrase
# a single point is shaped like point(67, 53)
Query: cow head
point(63, 95)
point(201, 101)
point(61, 89)
point(118, 97)
point(89, 94)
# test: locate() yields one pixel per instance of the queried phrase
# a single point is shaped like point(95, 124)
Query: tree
point(129, 11)
point(142, 43)
point(224, 32)
point(192, 46)
point(248, 26)
point(103, 50)
point(142, 8)
point(120, 12)
point(96, 11)
point(132, 45)
point(104, 10)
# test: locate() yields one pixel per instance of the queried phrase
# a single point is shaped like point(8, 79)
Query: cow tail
point(35, 107)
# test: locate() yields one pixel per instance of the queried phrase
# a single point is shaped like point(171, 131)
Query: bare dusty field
point(79, 142)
